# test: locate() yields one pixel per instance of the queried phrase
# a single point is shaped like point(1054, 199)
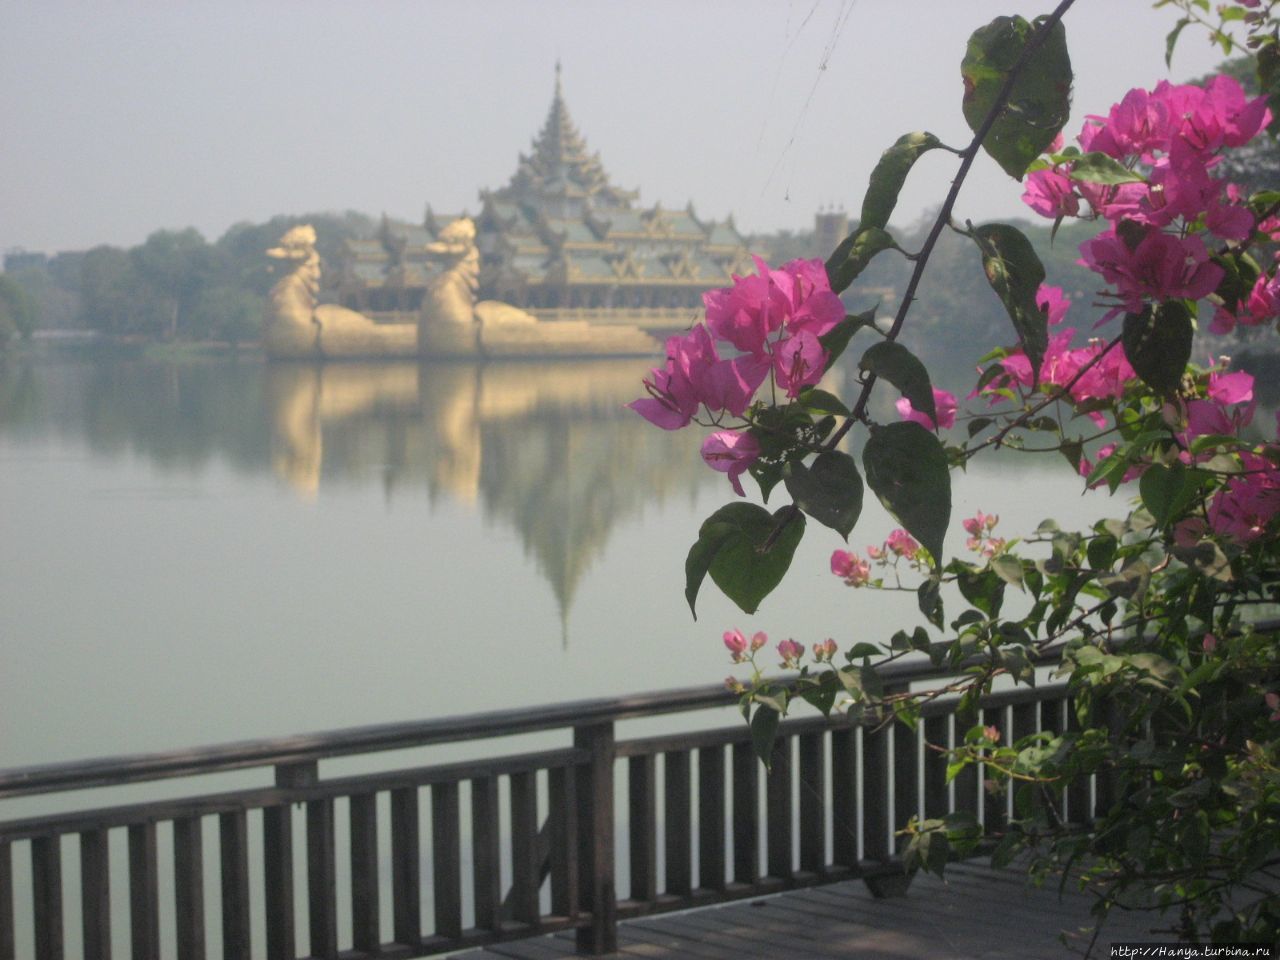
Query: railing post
point(595, 839)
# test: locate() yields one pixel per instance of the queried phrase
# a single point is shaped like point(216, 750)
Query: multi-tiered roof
point(560, 235)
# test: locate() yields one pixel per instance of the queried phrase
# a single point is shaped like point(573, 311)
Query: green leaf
point(764, 730)
point(1095, 167)
point(861, 682)
point(1015, 274)
point(1167, 491)
point(889, 176)
point(1157, 344)
point(1171, 40)
point(1008, 568)
point(830, 491)
point(853, 255)
point(906, 468)
point(1040, 102)
point(821, 402)
point(895, 363)
point(837, 338)
point(731, 548)
point(929, 600)
point(862, 649)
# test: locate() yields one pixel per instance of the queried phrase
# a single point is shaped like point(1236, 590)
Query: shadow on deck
point(978, 913)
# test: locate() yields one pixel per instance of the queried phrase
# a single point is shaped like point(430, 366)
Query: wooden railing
point(481, 850)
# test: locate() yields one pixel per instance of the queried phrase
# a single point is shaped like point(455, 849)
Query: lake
point(208, 551)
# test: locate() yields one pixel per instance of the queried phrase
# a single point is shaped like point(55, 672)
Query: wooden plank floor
point(979, 913)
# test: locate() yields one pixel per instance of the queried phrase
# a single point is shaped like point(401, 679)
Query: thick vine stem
point(967, 156)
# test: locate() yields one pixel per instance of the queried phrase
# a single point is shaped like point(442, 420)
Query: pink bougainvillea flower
point(731, 452)
point(1160, 267)
point(824, 651)
point(813, 307)
point(799, 361)
point(1230, 387)
point(991, 733)
point(748, 312)
point(1051, 194)
point(903, 544)
point(736, 643)
point(850, 568)
point(1209, 643)
point(672, 400)
point(1247, 503)
point(791, 653)
point(944, 403)
point(1053, 302)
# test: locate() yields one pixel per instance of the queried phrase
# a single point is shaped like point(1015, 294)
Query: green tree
point(177, 266)
point(18, 314)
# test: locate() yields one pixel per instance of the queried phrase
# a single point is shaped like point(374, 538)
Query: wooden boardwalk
point(979, 913)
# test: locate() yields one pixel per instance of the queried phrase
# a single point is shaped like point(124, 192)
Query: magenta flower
point(731, 452)
point(1051, 194)
point(672, 400)
point(903, 544)
point(791, 653)
point(850, 568)
point(1161, 267)
point(1053, 302)
point(813, 307)
point(944, 403)
point(799, 361)
point(749, 311)
point(1247, 503)
point(736, 644)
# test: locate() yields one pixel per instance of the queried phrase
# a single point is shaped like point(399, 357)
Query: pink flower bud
point(824, 651)
point(736, 644)
point(758, 640)
point(992, 733)
point(1210, 643)
point(791, 653)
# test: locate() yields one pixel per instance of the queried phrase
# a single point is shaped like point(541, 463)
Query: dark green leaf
point(1171, 40)
point(830, 491)
point(890, 174)
point(1097, 167)
point(1040, 102)
point(862, 649)
point(895, 363)
point(1015, 274)
point(837, 338)
point(906, 468)
point(1008, 568)
point(1157, 344)
point(853, 255)
point(764, 729)
point(821, 402)
point(929, 600)
point(730, 547)
point(1166, 491)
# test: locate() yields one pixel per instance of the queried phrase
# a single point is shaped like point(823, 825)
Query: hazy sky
point(118, 118)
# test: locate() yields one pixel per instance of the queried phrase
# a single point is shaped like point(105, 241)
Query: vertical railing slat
point(875, 792)
point(188, 879)
point(678, 822)
point(995, 791)
point(746, 814)
point(233, 835)
point(564, 842)
point(277, 866)
point(406, 869)
point(642, 807)
point(779, 814)
point(6, 901)
point(446, 859)
point(365, 933)
point(937, 800)
point(95, 894)
point(486, 853)
point(844, 797)
point(813, 802)
point(144, 893)
point(1079, 801)
point(711, 825)
point(595, 839)
point(906, 776)
point(46, 882)
point(526, 868)
point(322, 881)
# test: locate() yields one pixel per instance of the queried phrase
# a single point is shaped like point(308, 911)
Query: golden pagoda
point(561, 242)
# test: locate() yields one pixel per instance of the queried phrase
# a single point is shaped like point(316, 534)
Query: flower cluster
point(898, 546)
point(768, 324)
point(741, 648)
point(1106, 373)
point(1169, 139)
point(981, 540)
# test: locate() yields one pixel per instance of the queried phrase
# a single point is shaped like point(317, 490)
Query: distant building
point(19, 259)
point(830, 226)
point(561, 241)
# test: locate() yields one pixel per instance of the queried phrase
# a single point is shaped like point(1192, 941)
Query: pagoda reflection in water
point(547, 448)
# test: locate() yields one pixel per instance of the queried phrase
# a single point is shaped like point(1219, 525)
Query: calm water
point(206, 552)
